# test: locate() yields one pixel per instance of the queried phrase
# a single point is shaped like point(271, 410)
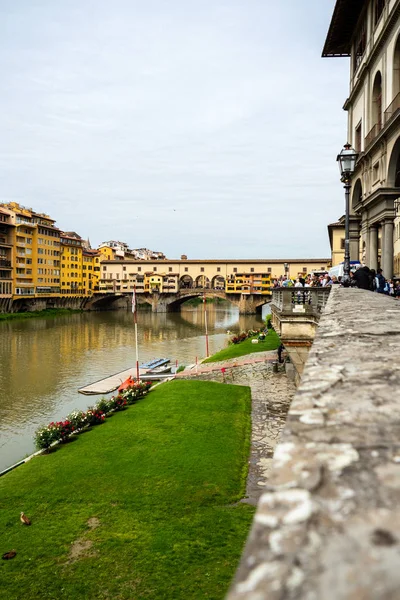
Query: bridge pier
point(249, 304)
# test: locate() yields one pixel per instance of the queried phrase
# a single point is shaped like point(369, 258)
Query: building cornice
point(383, 37)
point(341, 29)
point(377, 196)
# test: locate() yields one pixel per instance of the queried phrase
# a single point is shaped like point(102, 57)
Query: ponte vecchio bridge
point(166, 284)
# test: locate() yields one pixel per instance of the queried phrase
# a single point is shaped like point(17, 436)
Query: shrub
point(268, 321)
point(95, 416)
point(54, 432)
point(105, 405)
point(180, 368)
point(43, 438)
point(78, 419)
point(136, 391)
point(118, 402)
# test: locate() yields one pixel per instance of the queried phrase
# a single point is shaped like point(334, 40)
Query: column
point(365, 239)
point(387, 249)
point(373, 248)
point(354, 238)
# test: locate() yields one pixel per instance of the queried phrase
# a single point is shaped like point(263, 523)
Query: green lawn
point(163, 478)
point(271, 342)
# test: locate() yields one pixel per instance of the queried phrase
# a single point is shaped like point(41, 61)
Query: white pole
point(134, 310)
point(205, 323)
point(137, 352)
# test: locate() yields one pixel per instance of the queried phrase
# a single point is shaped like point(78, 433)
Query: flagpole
point(134, 310)
point(205, 323)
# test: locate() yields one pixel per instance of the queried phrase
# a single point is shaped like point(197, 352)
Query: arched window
point(396, 82)
point(377, 102)
point(393, 174)
point(379, 6)
point(357, 194)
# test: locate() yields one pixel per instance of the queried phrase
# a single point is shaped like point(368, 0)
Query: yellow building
point(248, 283)
point(336, 240)
point(36, 257)
point(71, 264)
point(90, 271)
point(6, 255)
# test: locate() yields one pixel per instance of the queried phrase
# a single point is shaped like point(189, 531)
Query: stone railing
point(327, 526)
point(312, 299)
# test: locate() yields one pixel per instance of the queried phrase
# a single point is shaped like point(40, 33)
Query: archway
point(357, 194)
point(377, 102)
point(218, 283)
point(396, 71)
point(202, 282)
point(393, 175)
point(185, 282)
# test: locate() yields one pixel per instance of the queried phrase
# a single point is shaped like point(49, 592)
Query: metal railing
point(373, 133)
point(391, 109)
point(5, 263)
point(290, 300)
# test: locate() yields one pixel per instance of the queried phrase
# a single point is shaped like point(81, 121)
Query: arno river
point(43, 361)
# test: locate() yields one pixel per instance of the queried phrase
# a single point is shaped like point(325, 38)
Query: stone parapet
point(328, 525)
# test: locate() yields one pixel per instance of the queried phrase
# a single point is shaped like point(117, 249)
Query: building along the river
point(6, 256)
point(35, 258)
point(229, 275)
point(336, 239)
point(368, 31)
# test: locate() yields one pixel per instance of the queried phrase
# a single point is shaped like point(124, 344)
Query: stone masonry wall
point(328, 525)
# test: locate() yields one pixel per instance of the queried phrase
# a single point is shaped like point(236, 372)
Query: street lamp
point(347, 164)
point(286, 267)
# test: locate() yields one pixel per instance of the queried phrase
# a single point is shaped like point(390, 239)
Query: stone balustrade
point(327, 526)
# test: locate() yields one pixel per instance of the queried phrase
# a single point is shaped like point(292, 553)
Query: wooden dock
point(111, 383)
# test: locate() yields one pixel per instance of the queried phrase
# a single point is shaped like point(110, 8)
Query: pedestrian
point(280, 350)
point(361, 278)
point(380, 282)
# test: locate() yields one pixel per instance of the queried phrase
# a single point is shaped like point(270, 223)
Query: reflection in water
point(43, 362)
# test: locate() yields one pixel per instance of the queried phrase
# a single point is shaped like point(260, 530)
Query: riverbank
point(143, 506)
point(249, 346)
point(48, 312)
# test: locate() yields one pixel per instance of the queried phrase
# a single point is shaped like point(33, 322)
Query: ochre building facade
point(368, 31)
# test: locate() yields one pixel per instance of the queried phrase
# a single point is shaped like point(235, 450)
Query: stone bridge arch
point(186, 281)
point(202, 281)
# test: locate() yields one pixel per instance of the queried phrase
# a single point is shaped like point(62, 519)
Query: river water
point(43, 361)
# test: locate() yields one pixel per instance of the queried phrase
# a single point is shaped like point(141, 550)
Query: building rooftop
point(237, 261)
point(344, 20)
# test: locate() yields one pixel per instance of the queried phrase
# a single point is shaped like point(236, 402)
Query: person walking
point(380, 282)
point(361, 278)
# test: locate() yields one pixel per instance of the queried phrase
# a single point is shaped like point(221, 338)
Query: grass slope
point(271, 342)
point(163, 479)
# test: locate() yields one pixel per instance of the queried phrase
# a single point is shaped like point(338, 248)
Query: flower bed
point(244, 335)
point(78, 420)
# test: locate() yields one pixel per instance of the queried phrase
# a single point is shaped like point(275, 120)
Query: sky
point(207, 128)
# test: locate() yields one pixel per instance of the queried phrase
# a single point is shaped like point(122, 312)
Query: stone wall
point(328, 525)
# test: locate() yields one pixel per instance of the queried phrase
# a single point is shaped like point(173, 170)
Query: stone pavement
point(271, 394)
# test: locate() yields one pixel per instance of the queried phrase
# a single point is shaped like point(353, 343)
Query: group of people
point(369, 279)
point(363, 278)
point(308, 281)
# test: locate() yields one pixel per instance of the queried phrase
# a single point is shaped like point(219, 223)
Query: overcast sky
point(202, 128)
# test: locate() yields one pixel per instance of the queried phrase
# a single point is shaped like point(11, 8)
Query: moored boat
point(153, 364)
point(125, 385)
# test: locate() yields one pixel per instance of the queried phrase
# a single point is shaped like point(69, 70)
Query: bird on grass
point(9, 555)
point(24, 519)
